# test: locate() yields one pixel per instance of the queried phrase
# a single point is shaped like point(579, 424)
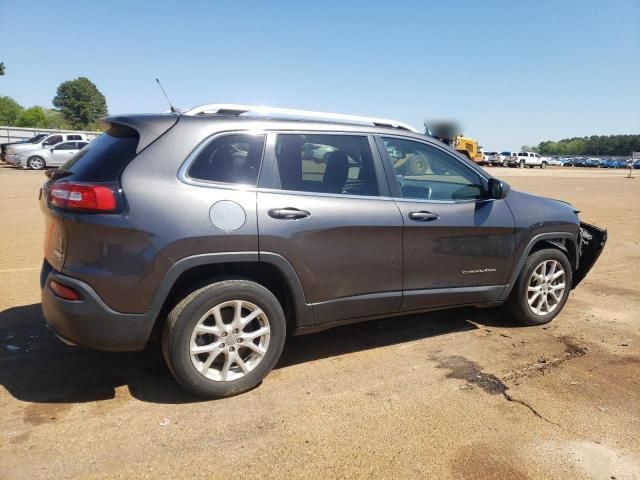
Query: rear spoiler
point(149, 126)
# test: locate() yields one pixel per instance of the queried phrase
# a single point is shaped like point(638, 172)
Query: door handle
point(423, 216)
point(288, 213)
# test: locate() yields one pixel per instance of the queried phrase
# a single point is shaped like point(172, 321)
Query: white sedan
point(49, 157)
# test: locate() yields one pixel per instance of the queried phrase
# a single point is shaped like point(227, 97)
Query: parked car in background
point(500, 159)
point(555, 161)
point(49, 157)
point(587, 162)
point(250, 248)
point(489, 156)
point(46, 142)
point(35, 139)
point(527, 159)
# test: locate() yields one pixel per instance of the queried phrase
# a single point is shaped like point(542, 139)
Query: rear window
point(103, 159)
point(231, 159)
point(506, 154)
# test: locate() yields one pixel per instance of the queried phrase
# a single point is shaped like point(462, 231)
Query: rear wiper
point(56, 173)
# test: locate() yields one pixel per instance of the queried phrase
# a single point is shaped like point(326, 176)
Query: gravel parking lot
point(457, 394)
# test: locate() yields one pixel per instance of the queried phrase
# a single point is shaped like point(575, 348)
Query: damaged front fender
point(592, 240)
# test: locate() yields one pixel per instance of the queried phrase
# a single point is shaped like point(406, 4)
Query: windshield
point(37, 138)
point(506, 154)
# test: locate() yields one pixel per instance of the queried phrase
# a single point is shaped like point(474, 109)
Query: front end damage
point(592, 240)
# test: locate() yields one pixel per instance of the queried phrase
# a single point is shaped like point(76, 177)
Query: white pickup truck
point(527, 159)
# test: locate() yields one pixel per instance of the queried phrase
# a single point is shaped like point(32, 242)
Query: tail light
point(85, 197)
point(64, 292)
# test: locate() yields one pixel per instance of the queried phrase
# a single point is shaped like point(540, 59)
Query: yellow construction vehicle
point(447, 132)
point(468, 147)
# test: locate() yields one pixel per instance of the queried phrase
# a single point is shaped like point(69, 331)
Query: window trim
point(183, 174)
point(269, 180)
point(393, 184)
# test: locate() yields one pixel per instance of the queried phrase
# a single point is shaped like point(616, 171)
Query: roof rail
point(289, 113)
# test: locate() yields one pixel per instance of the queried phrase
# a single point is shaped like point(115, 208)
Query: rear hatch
point(85, 192)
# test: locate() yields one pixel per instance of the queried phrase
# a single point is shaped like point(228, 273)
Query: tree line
point(78, 105)
point(614, 145)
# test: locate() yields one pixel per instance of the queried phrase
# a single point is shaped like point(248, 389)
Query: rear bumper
point(89, 322)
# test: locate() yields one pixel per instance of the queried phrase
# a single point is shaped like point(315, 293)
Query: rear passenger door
point(324, 206)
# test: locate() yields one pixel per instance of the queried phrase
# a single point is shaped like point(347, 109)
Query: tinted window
point(506, 154)
point(326, 164)
point(103, 159)
point(52, 140)
point(229, 159)
point(74, 137)
point(66, 146)
point(428, 173)
point(37, 138)
point(82, 144)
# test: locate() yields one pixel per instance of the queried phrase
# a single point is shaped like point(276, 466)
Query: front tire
point(224, 338)
point(521, 163)
point(542, 288)
point(36, 163)
point(543, 165)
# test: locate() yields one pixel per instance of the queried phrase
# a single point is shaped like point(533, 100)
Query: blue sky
point(511, 73)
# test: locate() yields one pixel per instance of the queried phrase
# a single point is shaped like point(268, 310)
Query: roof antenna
point(173, 109)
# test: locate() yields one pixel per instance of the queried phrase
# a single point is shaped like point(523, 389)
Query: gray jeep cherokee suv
point(224, 228)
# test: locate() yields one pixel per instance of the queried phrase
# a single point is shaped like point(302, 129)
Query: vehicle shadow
point(36, 367)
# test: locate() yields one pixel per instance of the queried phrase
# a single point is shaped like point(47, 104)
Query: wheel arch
point(563, 241)
point(270, 270)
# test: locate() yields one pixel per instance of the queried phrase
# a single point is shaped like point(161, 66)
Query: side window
point(82, 144)
point(229, 159)
point(428, 173)
point(66, 146)
point(52, 140)
point(319, 163)
point(74, 137)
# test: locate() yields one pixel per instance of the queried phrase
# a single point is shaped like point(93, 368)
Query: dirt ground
point(459, 394)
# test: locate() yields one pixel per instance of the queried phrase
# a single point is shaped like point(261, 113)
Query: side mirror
point(497, 189)
point(51, 149)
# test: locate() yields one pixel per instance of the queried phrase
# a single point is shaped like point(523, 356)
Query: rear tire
point(209, 350)
point(36, 163)
point(542, 288)
point(521, 163)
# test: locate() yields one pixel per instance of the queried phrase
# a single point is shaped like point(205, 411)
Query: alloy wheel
point(546, 287)
point(36, 163)
point(230, 340)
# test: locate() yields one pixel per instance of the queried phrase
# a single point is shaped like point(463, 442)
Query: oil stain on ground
point(39, 413)
point(464, 369)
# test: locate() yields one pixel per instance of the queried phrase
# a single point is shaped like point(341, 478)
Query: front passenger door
point(458, 245)
point(63, 152)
